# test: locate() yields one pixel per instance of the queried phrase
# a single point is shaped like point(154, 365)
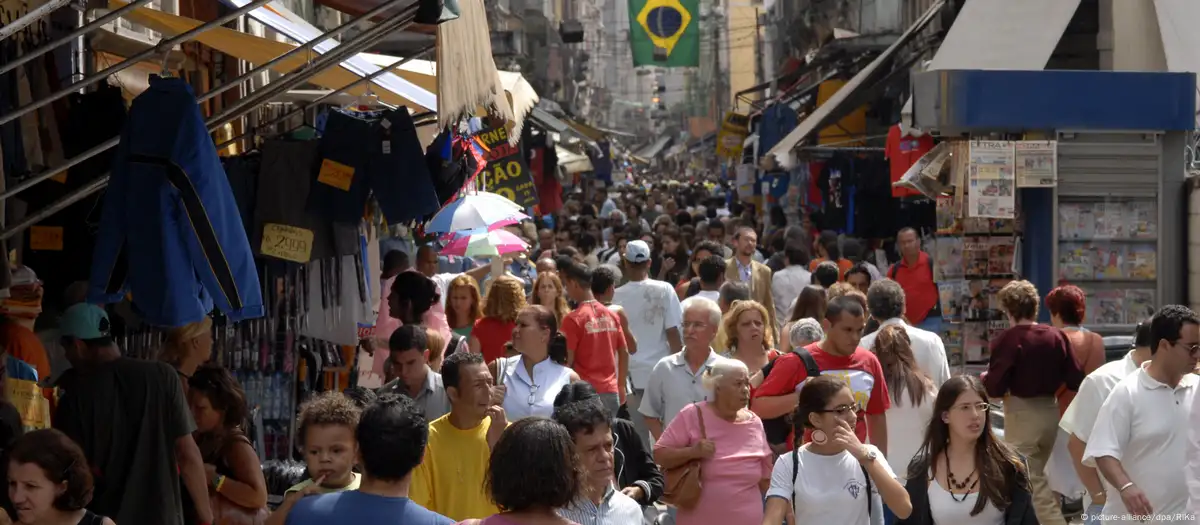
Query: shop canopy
point(1017, 35)
point(654, 148)
point(547, 121)
point(836, 107)
point(257, 50)
point(572, 162)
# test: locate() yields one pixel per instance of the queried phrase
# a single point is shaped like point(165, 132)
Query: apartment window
point(140, 32)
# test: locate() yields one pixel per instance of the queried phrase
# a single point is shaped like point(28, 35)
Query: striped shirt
point(614, 509)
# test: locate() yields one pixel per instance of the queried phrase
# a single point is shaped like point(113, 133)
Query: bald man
point(546, 265)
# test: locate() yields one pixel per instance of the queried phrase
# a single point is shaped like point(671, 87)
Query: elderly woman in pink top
point(736, 460)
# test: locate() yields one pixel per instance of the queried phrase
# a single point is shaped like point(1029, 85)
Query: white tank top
point(531, 396)
point(943, 508)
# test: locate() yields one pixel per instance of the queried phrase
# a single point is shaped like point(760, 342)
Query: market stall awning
point(572, 162)
point(547, 121)
point(521, 95)
point(585, 130)
point(832, 110)
point(257, 50)
point(652, 149)
point(1004, 35)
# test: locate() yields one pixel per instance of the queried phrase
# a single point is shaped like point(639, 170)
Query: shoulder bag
point(683, 485)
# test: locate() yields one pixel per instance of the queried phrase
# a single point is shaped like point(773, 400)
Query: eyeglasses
point(841, 410)
point(973, 407)
point(1192, 348)
point(694, 325)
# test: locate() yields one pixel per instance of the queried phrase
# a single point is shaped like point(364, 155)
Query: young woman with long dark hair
point(963, 474)
point(912, 394)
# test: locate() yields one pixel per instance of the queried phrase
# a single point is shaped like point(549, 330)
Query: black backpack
point(778, 429)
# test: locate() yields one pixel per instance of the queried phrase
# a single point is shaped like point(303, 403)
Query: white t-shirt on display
point(906, 430)
point(828, 489)
point(652, 308)
point(1143, 424)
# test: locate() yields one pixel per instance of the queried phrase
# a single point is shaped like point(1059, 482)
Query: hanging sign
point(1037, 163)
point(335, 174)
point(506, 174)
point(287, 242)
point(991, 190)
point(732, 136)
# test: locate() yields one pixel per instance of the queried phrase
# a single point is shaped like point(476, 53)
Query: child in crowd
point(326, 425)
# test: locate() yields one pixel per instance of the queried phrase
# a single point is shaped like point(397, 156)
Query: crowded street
point(589, 262)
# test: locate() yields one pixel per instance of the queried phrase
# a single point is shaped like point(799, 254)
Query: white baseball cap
point(637, 252)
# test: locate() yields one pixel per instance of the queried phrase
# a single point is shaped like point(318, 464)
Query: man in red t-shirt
point(914, 273)
point(840, 356)
point(594, 338)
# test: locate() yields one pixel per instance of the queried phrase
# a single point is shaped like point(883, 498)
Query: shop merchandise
point(904, 147)
point(371, 152)
point(170, 231)
point(281, 195)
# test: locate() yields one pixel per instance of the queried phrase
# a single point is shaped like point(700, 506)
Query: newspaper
point(1036, 163)
point(992, 188)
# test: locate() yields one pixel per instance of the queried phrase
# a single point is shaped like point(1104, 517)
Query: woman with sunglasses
point(528, 382)
point(834, 478)
point(962, 473)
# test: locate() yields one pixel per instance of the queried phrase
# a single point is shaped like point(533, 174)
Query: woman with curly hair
point(49, 481)
point(465, 305)
point(236, 483)
point(505, 300)
point(750, 338)
point(548, 292)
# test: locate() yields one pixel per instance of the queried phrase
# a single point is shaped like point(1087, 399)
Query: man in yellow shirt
point(449, 480)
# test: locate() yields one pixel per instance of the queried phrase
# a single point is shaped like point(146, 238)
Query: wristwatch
point(869, 453)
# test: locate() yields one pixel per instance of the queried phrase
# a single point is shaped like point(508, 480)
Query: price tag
point(287, 242)
point(60, 178)
point(46, 238)
point(335, 174)
point(387, 146)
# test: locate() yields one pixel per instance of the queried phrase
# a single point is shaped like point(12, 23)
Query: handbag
point(683, 487)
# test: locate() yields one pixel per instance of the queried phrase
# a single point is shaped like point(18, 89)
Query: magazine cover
point(1141, 262)
point(953, 338)
point(1003, 226)
point(947, 220)
point(975, 256)
point(995, 327)
point(1105, 307)
point(1139, 305)
point(1111, 221)
point(1068, 221)
point(1075, 261)
point(948, 259)
point(975, 343)
point(1144, 219)
point(976, 226)
point(974, 301)
point(949, 295)
point(1000, 255)
point(1109, 260)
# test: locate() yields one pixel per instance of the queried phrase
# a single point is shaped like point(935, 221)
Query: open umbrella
point(474, 211)
point(464, 233)
point(487, 244)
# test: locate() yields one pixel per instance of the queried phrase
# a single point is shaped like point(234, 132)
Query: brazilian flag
point(665, 33)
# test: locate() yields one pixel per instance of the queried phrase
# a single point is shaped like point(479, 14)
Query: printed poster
point(1036, 163)
point(991, 192)
point(506, 174)
point(732, 135)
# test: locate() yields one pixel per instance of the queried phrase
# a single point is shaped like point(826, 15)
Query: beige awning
point(572, 162)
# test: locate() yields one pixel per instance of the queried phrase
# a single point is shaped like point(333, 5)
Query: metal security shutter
point(1109, 164)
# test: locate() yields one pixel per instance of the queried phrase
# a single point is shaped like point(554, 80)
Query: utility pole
point(716, 56)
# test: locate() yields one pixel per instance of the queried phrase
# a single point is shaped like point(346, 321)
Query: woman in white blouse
point(528, 382)
point(834, 478)
point(912, 394)
point(962, 474)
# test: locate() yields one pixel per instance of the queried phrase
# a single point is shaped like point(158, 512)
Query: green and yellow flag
point(665, 33)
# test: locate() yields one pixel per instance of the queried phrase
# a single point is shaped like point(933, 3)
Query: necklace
point(963, 486)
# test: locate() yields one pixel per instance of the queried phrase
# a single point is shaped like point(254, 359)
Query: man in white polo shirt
point(1141, 434)
point(1080, 417)
point(885, 300)
point(675, 382)
point(654, 318)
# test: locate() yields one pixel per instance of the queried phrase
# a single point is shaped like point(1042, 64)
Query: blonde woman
point(435, 348)
point(548, 292)
point(505, 300)
point(465, 306)
point(750, 338)
point(188, 347)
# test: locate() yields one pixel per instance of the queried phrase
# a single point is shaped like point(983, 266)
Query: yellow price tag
point(336, 174)
point(46, 238)
point(61, 178)
point(287, 242)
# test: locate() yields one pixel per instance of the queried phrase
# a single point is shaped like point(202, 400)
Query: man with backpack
point(838, 354)
point(914, 272)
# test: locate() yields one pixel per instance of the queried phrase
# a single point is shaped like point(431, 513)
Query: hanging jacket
point(170, 232)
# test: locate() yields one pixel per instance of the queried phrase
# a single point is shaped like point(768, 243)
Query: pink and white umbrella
point(466, 233)
point(485, 244)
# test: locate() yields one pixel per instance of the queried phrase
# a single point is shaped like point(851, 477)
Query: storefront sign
point(46, 238)
point(991, 190)
point(506, 174)
point(732, 135)
point(287, 242)
point(1037, 163)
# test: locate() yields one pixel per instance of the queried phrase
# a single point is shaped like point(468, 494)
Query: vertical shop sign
point(732, 135)
point(1036, 163)
point(992, 185)
point(506, 174)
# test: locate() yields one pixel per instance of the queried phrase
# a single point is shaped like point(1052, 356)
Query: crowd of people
point(657, 356)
